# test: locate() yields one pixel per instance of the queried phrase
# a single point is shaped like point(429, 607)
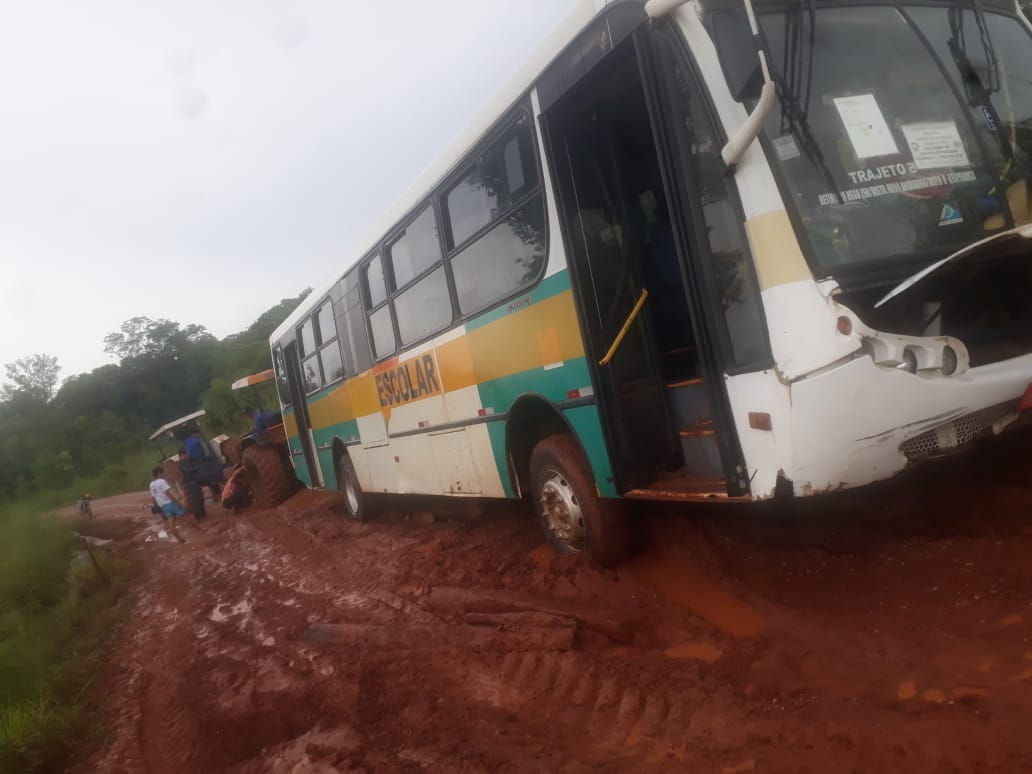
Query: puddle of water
point(702, 651)
point(681, 582)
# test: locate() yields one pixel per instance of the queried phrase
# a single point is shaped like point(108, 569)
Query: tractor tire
point(270, 484)
point(571, 513)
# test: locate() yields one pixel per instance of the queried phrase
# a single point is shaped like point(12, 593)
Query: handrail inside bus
point(626, 327)
point(750, 129)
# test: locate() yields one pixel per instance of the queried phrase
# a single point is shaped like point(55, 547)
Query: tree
point(144, 337)
point(33, 377)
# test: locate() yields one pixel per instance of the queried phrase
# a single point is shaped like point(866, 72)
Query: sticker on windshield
point(786, 147)
point(950, 215)
point(936, 145)
point(865, 126)
point(910, 185)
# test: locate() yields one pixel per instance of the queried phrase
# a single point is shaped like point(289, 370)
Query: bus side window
point(329, 349)
point(422, 303)
point(306, 338)
point(353, 314)
point(381, 323)
point(495, 217)
point(730, 268)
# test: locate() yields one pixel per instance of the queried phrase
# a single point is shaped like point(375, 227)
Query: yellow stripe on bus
point(776, 250)
point(539, 335)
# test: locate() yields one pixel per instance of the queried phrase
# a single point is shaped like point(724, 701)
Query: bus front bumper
point(859, 423)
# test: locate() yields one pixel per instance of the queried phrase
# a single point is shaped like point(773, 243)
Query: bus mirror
point(737, 51)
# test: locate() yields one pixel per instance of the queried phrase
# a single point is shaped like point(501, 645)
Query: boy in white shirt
point(161, 494)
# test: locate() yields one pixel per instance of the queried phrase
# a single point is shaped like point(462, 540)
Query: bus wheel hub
point(562, 511)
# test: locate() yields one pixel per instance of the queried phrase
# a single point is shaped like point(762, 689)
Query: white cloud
point(201, 160)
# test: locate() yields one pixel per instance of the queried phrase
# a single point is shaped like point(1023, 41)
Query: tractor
point(265, 456)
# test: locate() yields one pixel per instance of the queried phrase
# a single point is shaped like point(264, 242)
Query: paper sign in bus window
point(786, 148)
point(866, 126)
point(935, 145)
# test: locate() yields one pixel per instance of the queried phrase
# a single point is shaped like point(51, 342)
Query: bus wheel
point(269, 482)
point(347, 481)
point(573, 516)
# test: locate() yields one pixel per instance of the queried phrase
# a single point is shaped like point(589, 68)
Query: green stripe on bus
point(588, 427)
point(344, 431)
point(554, 384)
point(496, 432)
point(548, 287)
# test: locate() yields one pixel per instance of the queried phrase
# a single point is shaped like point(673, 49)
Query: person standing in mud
point(193, 483)
point(165, 501)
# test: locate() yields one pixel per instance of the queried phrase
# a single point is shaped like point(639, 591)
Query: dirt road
point(883, 631)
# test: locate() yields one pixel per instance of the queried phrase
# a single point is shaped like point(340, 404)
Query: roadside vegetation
point(57, 443)
point(55, 612)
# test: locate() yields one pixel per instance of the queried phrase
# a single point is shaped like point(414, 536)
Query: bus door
point(304, 424)
point(620, 243)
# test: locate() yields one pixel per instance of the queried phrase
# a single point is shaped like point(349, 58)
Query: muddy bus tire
point(571, 513)
point(269, 482)
point(355, 500)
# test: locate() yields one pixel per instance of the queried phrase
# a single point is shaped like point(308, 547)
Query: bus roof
point(564, 34)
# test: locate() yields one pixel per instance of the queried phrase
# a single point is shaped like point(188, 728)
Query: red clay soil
point(880, 631)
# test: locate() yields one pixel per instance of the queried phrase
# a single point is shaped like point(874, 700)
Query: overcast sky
point(200, 160)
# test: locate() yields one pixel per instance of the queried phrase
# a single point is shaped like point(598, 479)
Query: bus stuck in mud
point(707, 251)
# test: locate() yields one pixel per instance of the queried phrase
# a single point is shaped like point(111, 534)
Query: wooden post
point(96, 565)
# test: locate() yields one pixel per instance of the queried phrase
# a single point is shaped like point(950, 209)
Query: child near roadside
point(170, 507)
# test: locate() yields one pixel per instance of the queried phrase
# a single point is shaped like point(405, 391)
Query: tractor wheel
point(269, 482)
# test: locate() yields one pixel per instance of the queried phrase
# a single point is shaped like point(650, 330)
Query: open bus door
point(644, 329)
point(303, 446)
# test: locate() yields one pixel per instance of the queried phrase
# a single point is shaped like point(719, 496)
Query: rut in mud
point(886, 630)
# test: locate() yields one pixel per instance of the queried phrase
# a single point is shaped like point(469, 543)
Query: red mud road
point(881, 631)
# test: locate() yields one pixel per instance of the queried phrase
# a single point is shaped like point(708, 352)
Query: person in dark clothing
point(195, 451)
point(260, 418)
point(193, 480)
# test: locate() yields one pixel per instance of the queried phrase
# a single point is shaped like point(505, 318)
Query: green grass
point(55, 613)
point(128, 475)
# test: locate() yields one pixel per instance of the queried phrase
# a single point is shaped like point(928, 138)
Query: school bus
point(712, 251)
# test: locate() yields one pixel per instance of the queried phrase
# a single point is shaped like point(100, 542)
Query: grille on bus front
point(956, 433)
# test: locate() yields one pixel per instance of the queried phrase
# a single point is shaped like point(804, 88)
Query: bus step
point(688, 402)
point(701, 454)
point(683, 488)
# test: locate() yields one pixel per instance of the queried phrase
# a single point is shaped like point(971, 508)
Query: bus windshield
point(901, 131)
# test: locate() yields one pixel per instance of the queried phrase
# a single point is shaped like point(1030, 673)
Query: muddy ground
point(885, 630)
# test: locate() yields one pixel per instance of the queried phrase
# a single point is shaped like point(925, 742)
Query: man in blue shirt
point(261, 418)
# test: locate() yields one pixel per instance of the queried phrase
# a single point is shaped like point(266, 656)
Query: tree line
point(53, 433)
